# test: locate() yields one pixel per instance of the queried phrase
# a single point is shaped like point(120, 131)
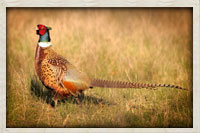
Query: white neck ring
point(44, 44)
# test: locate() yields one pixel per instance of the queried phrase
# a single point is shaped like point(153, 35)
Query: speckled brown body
point(53, 70)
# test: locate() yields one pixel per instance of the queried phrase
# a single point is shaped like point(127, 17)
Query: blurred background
point(147, 45)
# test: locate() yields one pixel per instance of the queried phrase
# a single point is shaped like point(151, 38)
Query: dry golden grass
point(152, 45)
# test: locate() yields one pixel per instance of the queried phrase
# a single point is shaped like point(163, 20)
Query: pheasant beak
point(36, 28)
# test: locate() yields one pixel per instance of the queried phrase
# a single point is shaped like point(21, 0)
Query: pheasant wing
point(68, 77)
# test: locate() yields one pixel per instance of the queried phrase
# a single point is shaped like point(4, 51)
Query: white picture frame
point(102, 3)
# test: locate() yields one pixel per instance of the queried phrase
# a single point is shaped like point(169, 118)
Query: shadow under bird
point(63, 79)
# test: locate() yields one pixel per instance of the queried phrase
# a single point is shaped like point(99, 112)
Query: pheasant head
point(43, 32)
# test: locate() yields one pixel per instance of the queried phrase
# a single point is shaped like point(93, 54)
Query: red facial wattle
point(42, 29)
point(42, 32)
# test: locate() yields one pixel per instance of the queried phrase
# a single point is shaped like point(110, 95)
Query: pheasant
point(63, 79)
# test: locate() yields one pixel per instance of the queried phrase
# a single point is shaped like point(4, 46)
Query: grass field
point(151, 45)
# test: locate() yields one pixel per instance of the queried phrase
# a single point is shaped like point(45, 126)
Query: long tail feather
point(122, 84)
